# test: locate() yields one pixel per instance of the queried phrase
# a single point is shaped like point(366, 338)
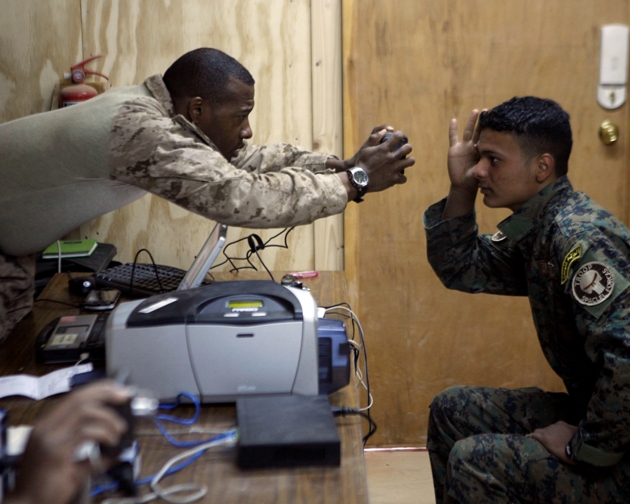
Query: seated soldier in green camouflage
point(571, 258)
point(182, 136)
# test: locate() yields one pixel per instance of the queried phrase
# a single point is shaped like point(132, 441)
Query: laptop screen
point(205, 259)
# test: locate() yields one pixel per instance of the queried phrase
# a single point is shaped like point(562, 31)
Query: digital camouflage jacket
point(571, 258)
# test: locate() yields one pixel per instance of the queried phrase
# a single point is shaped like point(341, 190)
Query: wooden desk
point(216, 469)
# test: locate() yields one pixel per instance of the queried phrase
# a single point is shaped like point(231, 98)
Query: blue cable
point(148, 479)
point(185, 444)
point(143, 481)
point(104, 488)
point(181, 465)
point(182, 421)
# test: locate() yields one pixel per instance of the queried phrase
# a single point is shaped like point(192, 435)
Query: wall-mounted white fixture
point(613, 68)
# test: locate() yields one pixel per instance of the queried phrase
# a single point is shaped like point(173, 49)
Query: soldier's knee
point(470, 461)
point(487, 455)
point(444, 409)
point(448, 402)
point(446, 397)
point(462, 453)
point(470, 475)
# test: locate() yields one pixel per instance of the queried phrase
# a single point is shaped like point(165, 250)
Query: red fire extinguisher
point(79, 92)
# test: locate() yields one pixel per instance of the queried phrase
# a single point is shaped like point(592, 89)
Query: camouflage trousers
point(479, 452)
point(17, 287)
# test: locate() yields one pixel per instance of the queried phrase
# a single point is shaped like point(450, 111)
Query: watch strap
point(360, 193)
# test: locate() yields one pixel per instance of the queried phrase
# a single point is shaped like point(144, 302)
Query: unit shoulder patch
point(593, 283)
point(574, 254)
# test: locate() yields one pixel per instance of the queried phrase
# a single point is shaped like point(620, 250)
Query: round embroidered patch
point(498, 236)
point(593, 283)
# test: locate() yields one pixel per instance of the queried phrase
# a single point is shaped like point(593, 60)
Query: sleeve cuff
point(454, 230)
point(433, 215)
point(579, 451)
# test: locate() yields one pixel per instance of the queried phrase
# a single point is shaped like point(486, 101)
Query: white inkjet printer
point(225, 340)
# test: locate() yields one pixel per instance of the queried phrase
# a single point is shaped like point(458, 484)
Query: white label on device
point(158, 305)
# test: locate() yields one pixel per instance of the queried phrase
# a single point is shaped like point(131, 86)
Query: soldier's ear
point(545, 167)
point(196, 108)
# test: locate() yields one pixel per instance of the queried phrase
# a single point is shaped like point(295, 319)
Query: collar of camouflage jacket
point(155, 84)
point(518, 225)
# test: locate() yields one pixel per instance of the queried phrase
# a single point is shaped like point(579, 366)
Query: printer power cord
point(344, 411)
point(344, 310)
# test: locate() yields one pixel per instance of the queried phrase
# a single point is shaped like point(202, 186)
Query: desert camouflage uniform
point(571, 258)
point(63, 168)
point(16, 290)
point(264, 186)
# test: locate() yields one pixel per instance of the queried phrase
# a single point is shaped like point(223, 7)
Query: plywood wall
point(38, 41)
point(291, 47)
point(416, 64)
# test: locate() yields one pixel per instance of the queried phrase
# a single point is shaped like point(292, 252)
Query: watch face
point(360, 177)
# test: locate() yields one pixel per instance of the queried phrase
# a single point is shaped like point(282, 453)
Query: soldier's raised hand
point(463, 154)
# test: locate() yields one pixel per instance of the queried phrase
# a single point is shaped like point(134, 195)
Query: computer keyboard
point(145, 280)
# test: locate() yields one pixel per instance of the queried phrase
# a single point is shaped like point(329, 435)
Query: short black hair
point(540, 126)
point(204, 72)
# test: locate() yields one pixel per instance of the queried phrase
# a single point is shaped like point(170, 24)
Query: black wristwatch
point(359, 180)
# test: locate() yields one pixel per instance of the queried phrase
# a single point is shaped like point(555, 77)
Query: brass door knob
point(608, 132)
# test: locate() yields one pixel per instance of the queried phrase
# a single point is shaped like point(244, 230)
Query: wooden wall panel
point(327, 74)
point(38, 42)
point(416, 64)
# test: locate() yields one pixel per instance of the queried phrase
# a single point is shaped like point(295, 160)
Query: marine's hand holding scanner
point(400, 144)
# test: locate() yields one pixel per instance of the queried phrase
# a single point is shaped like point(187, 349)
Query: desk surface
point(215, 469)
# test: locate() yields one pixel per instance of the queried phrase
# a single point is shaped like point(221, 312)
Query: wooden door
point(416, 64)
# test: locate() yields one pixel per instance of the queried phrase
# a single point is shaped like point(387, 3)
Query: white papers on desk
point(39, 387)
point(17, 437)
